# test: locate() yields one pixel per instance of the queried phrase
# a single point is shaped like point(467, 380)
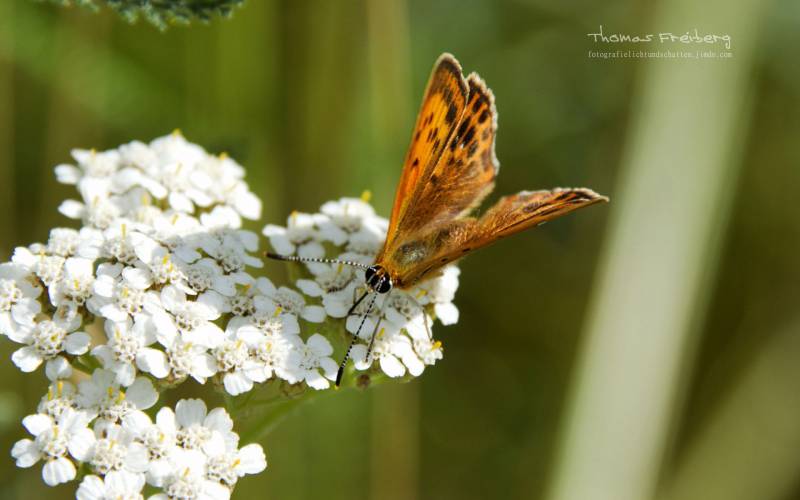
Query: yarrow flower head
point(162, 285)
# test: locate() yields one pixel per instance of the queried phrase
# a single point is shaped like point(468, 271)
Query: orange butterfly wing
point(510, 215)
point(515, 213)
point(465, 173)
point(456, 183)
point(442, 106)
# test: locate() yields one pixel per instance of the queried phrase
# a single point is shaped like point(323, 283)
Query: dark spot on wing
point(468, 136)
point(451, 113)
point(549, 211)
point(483, 116)
point(532, 207)
point(477, 104)
point(447, 94)
point(472, 148)
point(415, 162)
point(462, 128)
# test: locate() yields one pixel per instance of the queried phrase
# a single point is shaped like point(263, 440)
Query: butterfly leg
point(377, 325)
point(372, 339)
point(424, 316)
point(353, 341)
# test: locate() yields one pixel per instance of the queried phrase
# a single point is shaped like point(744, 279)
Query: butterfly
point(450, 167)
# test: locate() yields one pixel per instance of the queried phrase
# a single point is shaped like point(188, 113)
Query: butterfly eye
point(384, 285)
point(369, 273)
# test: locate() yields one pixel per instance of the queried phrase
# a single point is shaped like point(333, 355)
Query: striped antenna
point(294, 258)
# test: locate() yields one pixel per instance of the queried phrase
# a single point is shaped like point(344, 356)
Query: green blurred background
point(649, 348)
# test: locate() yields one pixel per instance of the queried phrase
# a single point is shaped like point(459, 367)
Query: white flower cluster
point(156, 289)
point(349, 230)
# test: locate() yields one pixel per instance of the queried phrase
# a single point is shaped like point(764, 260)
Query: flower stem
point(274, 412)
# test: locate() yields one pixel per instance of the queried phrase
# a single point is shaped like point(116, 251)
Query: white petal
point(391, 366)
point(113, 312)
point(249, 334)
point(77, 343)
point(58, 368)
point(314, 314)
point(335, 307)
point(248, 204)
point(104, 285)
point(138, 278)
point(165, 419)
point(37, 423)
point(137, 422)
point(358, 354)
point(447, 313)
point(236, 383)
point(137, 458)
point(27, 359)
point(141, 394)
point(180, 202)
point(190, 411)
point(26, 453)
point(72, 209)
point(213, 304)
point(218, 419)
point(153, 362)
point(329, 368)
point(126, 373)
point(215, 445)
point(414, 364)
point(58, 471)
point(91, 488)
point(124, 481)
point(320, 345)
point(265, 286)
point(310, 288)
point(68, 174)
point(81, 444)
point(212, 490)
point(165, 328)
point(172, 298)
point(257, 372)
point(251, 459)
point(316, 381)
point(224, 285)
point(203, 366)
point(206, 335)
point(291, 326)
point(281, 244)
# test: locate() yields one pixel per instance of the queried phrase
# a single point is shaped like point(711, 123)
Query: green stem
point(270, 418)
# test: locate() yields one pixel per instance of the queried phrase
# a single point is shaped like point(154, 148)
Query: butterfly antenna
point(353, 341)
point(294, 258)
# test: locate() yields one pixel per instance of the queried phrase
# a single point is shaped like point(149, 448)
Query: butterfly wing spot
point(451, 113)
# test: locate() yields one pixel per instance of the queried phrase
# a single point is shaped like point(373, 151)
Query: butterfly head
point(378, 279)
